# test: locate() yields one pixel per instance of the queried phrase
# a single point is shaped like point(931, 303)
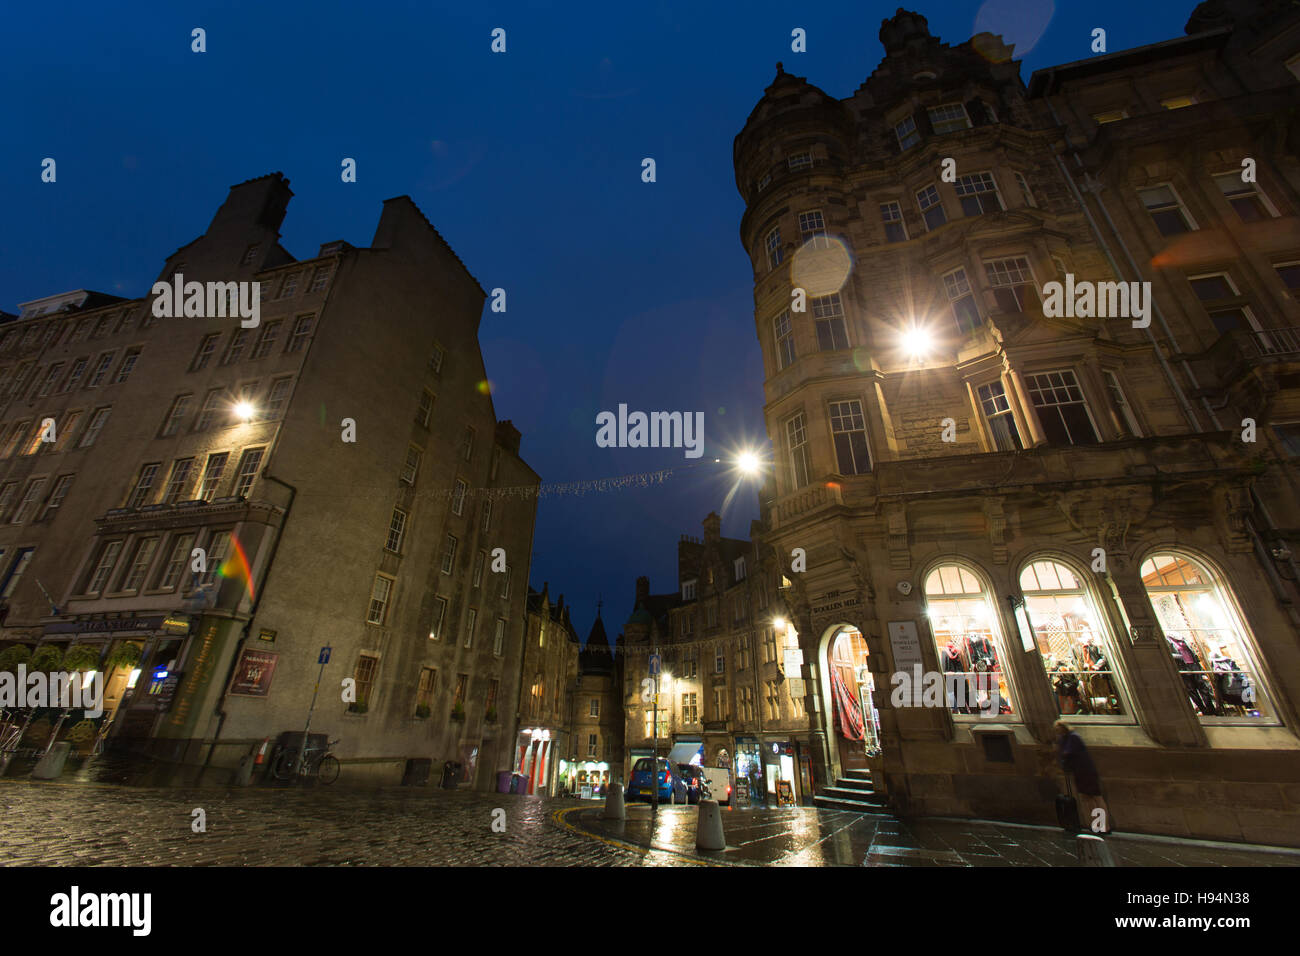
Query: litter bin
point(503, 781)
point(450, 775)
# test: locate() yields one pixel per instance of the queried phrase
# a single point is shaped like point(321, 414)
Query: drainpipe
point(248, 625)
point(1093, 187)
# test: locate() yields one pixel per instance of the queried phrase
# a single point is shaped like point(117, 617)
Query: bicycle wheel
point(282, 769)
point(329, 768)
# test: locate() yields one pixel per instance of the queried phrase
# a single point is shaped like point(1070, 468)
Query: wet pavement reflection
point(805, 836)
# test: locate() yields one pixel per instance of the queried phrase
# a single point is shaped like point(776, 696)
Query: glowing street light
point(917, 342)
point(244, 411)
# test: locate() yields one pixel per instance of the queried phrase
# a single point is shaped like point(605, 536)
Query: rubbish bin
point(503, 781)
point(450, 775)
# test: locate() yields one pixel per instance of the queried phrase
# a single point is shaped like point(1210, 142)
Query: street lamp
point(917, 342)
point(244, 411)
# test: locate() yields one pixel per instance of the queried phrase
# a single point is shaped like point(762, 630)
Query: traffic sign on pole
point(655, 661)
point(324, 655)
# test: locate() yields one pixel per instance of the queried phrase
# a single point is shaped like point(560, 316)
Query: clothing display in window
point(1234, 686)
point(956, 667)
point(847, 711)
point(1198, 686)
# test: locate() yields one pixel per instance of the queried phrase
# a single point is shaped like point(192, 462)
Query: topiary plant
point(38, 732)
point(83, 657)
point(46, 659)
point(124, 655)
point(11, 657)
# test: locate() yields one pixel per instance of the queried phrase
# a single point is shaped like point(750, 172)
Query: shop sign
point(905, 645)
point(833, 602)
point(167, 690)
point(266, 634)
point(793, 659)
point(176, 624)
point(106, 626)
point(797, 688)
point(253, 673)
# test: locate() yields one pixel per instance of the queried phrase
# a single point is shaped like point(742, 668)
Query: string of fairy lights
point(747, 465)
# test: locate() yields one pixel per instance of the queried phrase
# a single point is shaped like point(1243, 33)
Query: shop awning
point(683, 752)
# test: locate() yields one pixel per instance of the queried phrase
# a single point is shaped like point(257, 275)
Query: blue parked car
point(671, 786)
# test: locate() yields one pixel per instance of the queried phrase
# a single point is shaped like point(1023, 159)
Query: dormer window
point(949, 118)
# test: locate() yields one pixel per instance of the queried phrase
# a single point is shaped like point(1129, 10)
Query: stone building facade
point(1067, 515)
point(339, 467)
point(598, 752)
point(726, 679)
point(548, 681)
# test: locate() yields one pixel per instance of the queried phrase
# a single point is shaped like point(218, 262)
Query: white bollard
point(708, 827)
point(1093, 851)
point(614, 809)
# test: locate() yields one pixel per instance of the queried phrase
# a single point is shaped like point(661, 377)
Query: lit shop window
point(1205, 637)
point(1071, 640)
point(968, 640)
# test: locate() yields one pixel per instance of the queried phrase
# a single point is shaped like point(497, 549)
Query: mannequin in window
point(1066, 685)
point(1234, 686)
point(1093, 667)
point(954, 665)
point(1198, 687)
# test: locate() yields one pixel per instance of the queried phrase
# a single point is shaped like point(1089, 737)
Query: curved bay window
point(1071, 640)
point(969, 642)
point(1204, 636)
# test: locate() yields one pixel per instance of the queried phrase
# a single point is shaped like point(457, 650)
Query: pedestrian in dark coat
point(1072, 754)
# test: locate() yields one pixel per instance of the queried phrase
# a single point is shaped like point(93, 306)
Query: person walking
point(1072, 754)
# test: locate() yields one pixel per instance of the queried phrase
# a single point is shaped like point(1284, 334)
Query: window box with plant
point(458, 711)
point(358, 707)
point(421, 711)
point(490, 715)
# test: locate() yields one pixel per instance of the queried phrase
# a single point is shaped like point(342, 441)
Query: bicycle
point(10, 732)
point(317, 762)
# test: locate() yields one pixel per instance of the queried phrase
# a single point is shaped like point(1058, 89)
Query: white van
point(719, 781)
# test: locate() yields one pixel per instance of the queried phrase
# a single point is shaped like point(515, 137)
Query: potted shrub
point(81, 734)
point(422, 711)
point(83, 657)
point(124, 655)
point(12, 657)
point(46, 659)
point(457, 711)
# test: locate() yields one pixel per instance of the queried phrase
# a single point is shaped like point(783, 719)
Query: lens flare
point(236, 566)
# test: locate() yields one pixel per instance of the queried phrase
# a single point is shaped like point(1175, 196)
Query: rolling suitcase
point(1067, 808)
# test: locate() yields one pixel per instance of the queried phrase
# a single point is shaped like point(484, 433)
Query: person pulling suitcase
point(1081, 776)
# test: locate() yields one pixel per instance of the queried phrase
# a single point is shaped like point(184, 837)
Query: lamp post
point(654, 740)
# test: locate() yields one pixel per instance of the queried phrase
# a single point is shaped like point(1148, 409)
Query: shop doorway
point(856, 730)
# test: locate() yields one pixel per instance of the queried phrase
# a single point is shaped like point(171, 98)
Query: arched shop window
point(1071, 640)
point(1205, 637)
point(968, 639)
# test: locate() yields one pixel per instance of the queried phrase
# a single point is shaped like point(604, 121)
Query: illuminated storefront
point(968, 640)
point(1073, 641)
point(1206, 638)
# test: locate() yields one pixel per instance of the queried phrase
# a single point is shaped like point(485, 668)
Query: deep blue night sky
point(528, 163)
